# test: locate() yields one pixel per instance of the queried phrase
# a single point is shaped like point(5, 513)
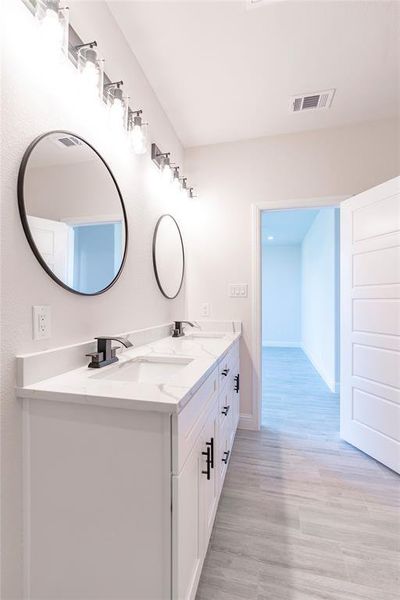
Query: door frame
point(253, 421)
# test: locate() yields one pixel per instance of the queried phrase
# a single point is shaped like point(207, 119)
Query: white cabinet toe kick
point(120, 503)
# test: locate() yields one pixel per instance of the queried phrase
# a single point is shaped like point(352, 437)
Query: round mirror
point(168, 256)
point(72, 212)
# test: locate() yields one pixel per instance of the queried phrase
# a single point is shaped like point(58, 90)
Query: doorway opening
point(300, 254)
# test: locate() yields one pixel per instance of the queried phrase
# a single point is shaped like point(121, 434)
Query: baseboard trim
point(332, 385)
point(270, 344)
point(248, 422)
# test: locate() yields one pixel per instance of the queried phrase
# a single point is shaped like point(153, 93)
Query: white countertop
point(83, 385)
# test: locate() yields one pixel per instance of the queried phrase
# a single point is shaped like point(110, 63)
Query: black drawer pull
point(225, 410)
point(237, 383)
point(208, 470)
point(211, 445)
point(225, 372)
point(226, 457)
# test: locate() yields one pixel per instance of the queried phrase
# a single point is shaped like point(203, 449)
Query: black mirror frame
point(25, 225)
point(154, 257)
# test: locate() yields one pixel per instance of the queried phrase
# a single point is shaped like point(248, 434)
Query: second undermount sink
point(204, 336)
point(146, 369)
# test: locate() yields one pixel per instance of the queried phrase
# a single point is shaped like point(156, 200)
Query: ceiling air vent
point(67, 141)
point(316, 101)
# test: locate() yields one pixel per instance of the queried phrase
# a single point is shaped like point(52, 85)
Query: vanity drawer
point(187, 426)
point(225, 401)
point(226, 366)
point(224, 450)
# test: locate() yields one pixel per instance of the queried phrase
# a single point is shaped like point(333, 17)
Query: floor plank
point(303, 515)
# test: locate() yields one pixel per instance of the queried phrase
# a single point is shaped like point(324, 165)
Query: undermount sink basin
point(204, 336)
point(146, 369)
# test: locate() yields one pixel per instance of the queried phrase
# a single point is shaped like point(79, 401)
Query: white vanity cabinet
point(120, 503)
point(197, 487)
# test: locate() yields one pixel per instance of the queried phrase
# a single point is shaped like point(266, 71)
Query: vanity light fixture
point(117, 103)
point(54, 23)
point(185, 189)
point(90, 68)
point(162, 160)
point(176, 182)
point(137, 131)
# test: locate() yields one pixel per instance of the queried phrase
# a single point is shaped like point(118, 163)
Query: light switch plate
point(41, 318)
point(238, 290)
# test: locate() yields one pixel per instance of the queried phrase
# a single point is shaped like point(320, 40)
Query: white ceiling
point(224, 72)
point(286, 227)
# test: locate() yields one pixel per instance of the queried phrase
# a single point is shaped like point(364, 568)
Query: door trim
point(253, 421)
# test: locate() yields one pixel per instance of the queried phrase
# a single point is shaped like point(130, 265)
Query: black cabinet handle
point(226, 457)
point(225, 372)
point(225, 410)
point(208, 470)
point(237, 383)
point(211, 445)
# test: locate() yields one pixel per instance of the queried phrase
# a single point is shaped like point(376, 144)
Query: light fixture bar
point(159, 157)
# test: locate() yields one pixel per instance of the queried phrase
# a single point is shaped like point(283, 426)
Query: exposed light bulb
point(52, 29)
point(90, 76)
point(270, 238)
point(138, 139)
point(117, 110)
point(166, 174)
point(176, 184)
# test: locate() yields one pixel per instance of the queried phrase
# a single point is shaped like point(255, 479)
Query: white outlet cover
point(205, 309)
point(41, 321)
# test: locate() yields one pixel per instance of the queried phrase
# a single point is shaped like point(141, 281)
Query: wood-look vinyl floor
point(303, 515)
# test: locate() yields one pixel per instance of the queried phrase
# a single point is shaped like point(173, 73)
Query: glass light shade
point(166, 173)
point(91, 71)
point(54, 23)
point(117, 107)
point(184, 190)
point(138, 136)
point(176, 183)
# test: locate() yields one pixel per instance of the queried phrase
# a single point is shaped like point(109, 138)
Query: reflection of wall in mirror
point(72, 191)
point(97, 256)
point(79, 199)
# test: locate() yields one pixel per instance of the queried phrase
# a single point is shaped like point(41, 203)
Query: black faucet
point(105, 354)
point(177, 331)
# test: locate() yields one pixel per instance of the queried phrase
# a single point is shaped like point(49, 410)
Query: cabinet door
point(236, 397)
point(210, 485)
point(187, 524)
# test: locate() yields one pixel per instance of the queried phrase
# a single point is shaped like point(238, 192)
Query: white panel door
point(370, 322)
point(53, 240)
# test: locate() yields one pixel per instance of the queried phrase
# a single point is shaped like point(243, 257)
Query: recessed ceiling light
point(270, 238)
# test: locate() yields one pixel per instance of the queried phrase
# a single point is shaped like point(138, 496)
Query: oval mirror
point(168, 256)
point(72, 212)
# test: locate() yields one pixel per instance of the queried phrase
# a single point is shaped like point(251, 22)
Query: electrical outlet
point(238, 290)
point(41, 317)
point(205, 310)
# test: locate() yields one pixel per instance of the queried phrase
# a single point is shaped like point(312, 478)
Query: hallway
point(303, 515)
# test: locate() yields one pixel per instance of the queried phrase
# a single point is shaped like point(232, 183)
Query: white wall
point(281, 295)
point(230, 177)
point(319, 324)
point(38, 97)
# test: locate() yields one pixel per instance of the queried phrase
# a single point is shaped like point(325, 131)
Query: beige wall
point(229, 178)
point(38, 96)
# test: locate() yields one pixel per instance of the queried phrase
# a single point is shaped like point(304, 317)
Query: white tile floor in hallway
point(303, 515)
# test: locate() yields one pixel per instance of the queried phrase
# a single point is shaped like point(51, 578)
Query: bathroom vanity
point(124, 465)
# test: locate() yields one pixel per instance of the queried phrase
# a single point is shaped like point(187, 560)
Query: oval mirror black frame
point(24, 220)
point(155, 261)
